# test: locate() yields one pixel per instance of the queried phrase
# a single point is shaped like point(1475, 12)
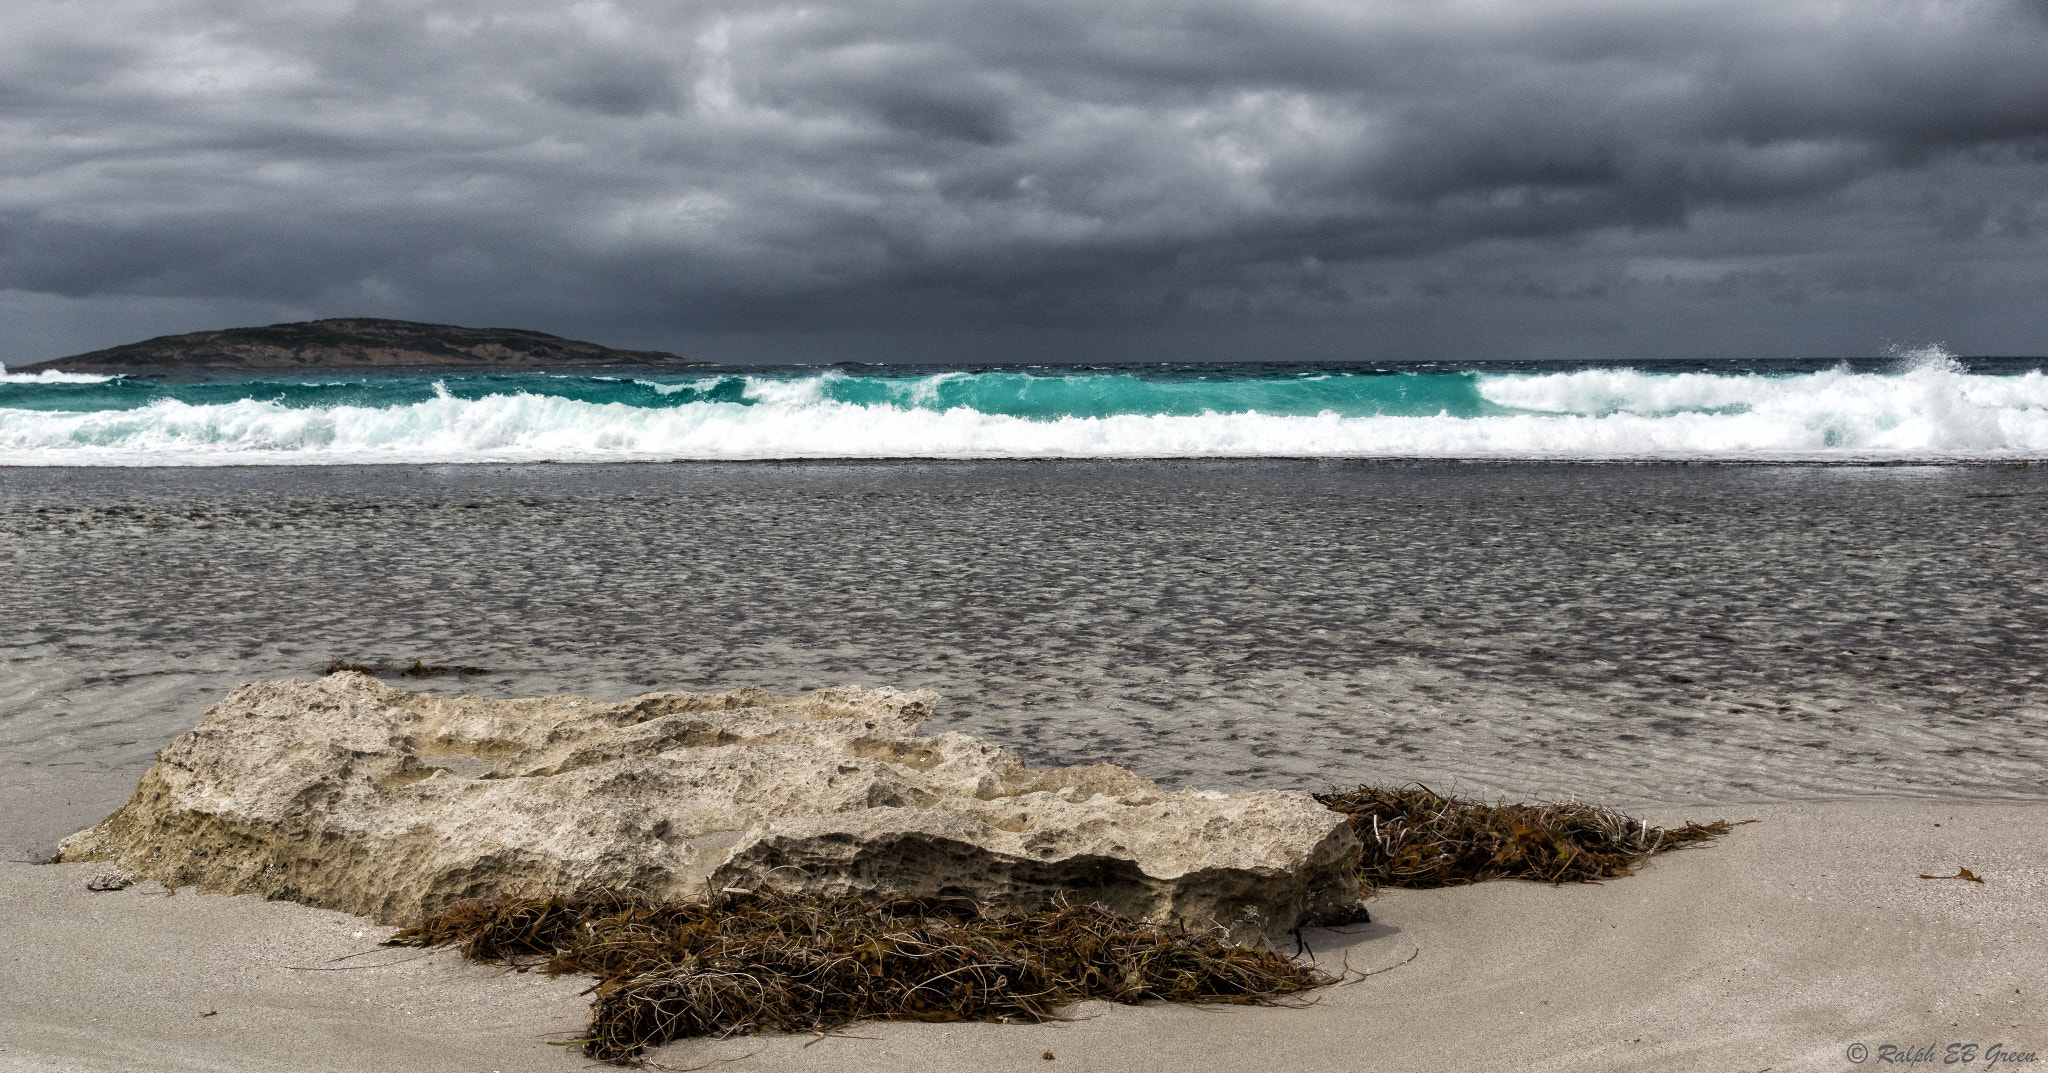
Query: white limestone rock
point(347, 794)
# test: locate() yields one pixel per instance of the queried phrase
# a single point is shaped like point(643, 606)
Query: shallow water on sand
point(1629, 633)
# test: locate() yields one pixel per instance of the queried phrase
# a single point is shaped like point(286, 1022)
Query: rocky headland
point(353, 342)
point(348, 794)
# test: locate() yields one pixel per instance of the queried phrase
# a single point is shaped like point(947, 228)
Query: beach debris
point(819, 1036)
point(107, 879)
point(1352, 976)
point(1961, 873)
point(348, 794)
point(766, 961)
point(1413, 836)
point(415, 669)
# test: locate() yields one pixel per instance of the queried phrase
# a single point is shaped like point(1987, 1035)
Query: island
point(352, 342)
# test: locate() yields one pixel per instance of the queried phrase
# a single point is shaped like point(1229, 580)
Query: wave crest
point(1931, 411)
point(51, 376)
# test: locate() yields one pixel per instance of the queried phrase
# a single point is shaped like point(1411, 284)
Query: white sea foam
point(1932, 411)
point(1926, 355)
point(50, 376)
point(671, 387)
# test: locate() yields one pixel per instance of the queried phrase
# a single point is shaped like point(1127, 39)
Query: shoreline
point(1776, 946)
point(1574, 462)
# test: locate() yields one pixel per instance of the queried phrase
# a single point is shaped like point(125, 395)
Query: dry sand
point(1777, 948)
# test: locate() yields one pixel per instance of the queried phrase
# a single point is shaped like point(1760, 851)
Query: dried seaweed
point(417, 669)
point(763, 961)
point(1416, 837)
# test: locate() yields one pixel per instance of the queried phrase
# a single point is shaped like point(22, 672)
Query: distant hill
point(353, 342)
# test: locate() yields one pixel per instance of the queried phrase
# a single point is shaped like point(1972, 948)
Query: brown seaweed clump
point(1416, 837)
point(417, 669)
point(761, 961)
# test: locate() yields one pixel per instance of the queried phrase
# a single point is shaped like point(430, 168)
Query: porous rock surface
point(348, 794)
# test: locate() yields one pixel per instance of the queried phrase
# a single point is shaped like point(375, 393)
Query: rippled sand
point(1632, 633)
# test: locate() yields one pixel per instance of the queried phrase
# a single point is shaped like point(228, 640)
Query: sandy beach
point(1682, 639)
point(812, 513)
point(1777, 948)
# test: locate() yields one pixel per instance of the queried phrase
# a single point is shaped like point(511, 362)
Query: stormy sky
point(1037, 179)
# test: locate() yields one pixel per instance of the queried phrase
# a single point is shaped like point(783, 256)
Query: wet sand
point(1677, 639)
point(1777, 948)
point(1632, 634)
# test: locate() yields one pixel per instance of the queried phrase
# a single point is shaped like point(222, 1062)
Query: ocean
point(1920, 406)
point(1253, 576)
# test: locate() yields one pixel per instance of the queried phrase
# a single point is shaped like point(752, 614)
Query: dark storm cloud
point(1056, 162)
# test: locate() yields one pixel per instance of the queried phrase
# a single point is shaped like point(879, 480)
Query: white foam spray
point(50, 376)
point(1932, 410)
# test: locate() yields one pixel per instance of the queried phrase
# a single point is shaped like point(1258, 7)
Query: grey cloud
point(672, 168)
point(615, 84)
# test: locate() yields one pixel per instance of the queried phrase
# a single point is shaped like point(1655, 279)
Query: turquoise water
point(1037, 395)
point(1927, 405)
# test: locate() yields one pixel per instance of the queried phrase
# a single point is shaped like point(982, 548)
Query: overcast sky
point(1047, 179)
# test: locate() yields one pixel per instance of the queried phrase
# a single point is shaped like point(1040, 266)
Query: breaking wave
point(1927, 407)
point(51, 376)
